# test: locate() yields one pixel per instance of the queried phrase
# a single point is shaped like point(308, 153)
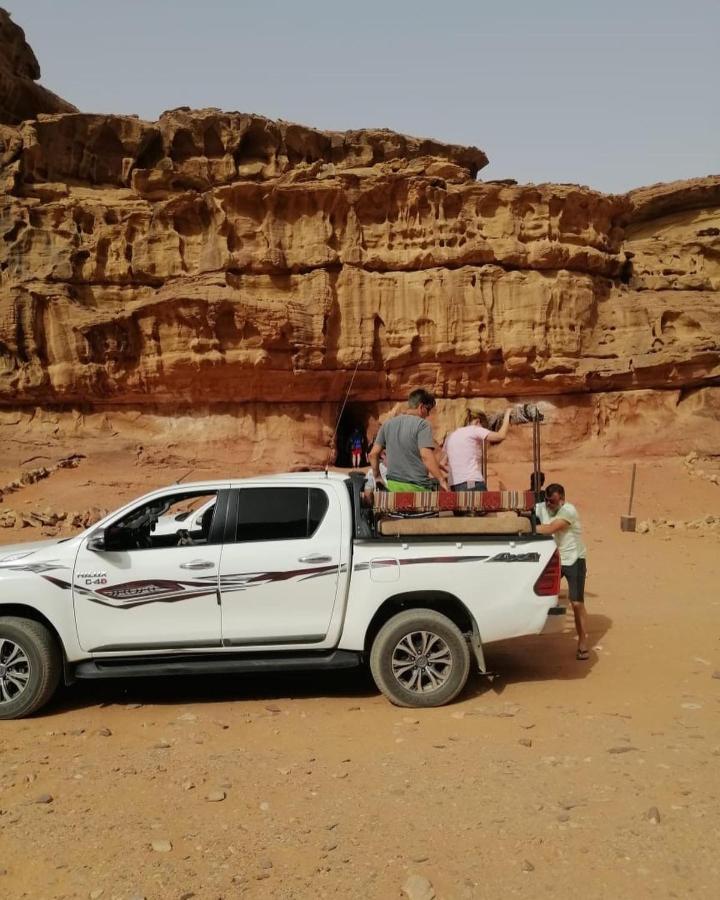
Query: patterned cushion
point(464, 501)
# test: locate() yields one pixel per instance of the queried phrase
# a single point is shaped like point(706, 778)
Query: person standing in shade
point(560, 519)
point(465, 450)
point(408, 439)
point(355, 445)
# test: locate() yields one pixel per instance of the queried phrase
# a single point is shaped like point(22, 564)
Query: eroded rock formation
point(21, 97)
point(218, 263)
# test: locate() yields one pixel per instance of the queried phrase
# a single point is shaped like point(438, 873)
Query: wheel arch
point(23, 611)
point(440, 601)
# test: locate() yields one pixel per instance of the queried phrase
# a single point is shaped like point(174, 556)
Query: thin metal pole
point(536, 452)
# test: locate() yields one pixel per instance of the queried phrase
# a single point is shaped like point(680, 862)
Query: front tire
point(30, 666)
point(420, 659)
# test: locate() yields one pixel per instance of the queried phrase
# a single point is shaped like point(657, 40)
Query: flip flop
point(582, 654)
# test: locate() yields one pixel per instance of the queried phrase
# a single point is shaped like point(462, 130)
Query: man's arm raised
point(495, 437)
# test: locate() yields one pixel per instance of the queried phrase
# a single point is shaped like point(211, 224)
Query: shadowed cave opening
point(363, 417)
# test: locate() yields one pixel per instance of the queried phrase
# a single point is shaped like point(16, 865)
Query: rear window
point(280, 514)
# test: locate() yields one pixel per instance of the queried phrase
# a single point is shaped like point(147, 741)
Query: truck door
point(135, 589)
point(280, 565)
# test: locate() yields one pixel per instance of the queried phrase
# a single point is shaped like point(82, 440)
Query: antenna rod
point(342, 410)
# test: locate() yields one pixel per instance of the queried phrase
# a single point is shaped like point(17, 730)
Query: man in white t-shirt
point(560, 519)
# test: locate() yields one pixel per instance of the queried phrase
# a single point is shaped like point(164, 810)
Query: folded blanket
point(469, 501)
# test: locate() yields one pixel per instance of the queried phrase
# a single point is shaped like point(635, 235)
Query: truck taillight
point(548, 584)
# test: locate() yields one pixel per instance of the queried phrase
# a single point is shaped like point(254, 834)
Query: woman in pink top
point(465, 450)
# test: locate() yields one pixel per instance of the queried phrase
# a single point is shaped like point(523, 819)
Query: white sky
point(611, 94)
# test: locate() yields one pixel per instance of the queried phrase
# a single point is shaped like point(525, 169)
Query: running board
point(135, 667)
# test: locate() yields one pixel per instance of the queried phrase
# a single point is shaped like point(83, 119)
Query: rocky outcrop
point(219, 255)
point(20, 95)
point(213, 259)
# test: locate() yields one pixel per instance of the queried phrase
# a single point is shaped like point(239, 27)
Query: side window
point(318, 506)
point(280, 514)
point(172, 521)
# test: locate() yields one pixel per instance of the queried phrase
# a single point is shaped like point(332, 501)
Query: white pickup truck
point(284, 572)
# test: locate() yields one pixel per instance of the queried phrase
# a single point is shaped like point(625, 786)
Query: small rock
point(716, 673)
point(265, 864)
point(264, 806)
point(216, 796)
point(162, 744)
point(161, 846)
point(653, 815)
point(417, 887)
point(104, 732)
point(527, 866)
point(187, 717)
point(133, 706)
point(408, 721)
point(188, 785)
point(624, 749)
point(564, 817)
point(96, 894)
point(44, 798)
point(525, 742)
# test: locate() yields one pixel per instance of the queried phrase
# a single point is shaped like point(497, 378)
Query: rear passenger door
point(280, 565)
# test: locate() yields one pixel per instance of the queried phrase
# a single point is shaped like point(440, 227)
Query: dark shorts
point(575, 576)
point(469, 486)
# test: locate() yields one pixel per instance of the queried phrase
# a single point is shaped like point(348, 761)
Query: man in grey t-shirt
point(408, 439)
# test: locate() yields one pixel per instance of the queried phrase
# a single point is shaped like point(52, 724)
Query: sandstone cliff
point(20, 95)
point(222, 265)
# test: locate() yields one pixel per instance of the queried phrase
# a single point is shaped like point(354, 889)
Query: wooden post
point(628, 522)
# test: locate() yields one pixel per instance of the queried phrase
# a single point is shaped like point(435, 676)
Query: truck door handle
point(198, 564)
point(315, 558)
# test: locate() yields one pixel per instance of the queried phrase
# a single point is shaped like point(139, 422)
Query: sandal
point(582, 654)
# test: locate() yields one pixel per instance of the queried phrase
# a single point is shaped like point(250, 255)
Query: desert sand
point(557, 777)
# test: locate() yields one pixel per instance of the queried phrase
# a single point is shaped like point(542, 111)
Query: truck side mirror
point(96, 541)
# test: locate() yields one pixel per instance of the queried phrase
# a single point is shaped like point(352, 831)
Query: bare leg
point(581, 625)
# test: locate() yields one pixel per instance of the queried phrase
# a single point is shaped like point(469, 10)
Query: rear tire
point(420, 659)
point(30, 666)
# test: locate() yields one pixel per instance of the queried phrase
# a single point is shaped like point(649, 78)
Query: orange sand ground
point(539, 784)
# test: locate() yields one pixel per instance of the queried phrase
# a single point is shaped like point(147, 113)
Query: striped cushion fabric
point(463, 501)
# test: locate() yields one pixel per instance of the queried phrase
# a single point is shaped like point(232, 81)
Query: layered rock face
point(223, 265)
